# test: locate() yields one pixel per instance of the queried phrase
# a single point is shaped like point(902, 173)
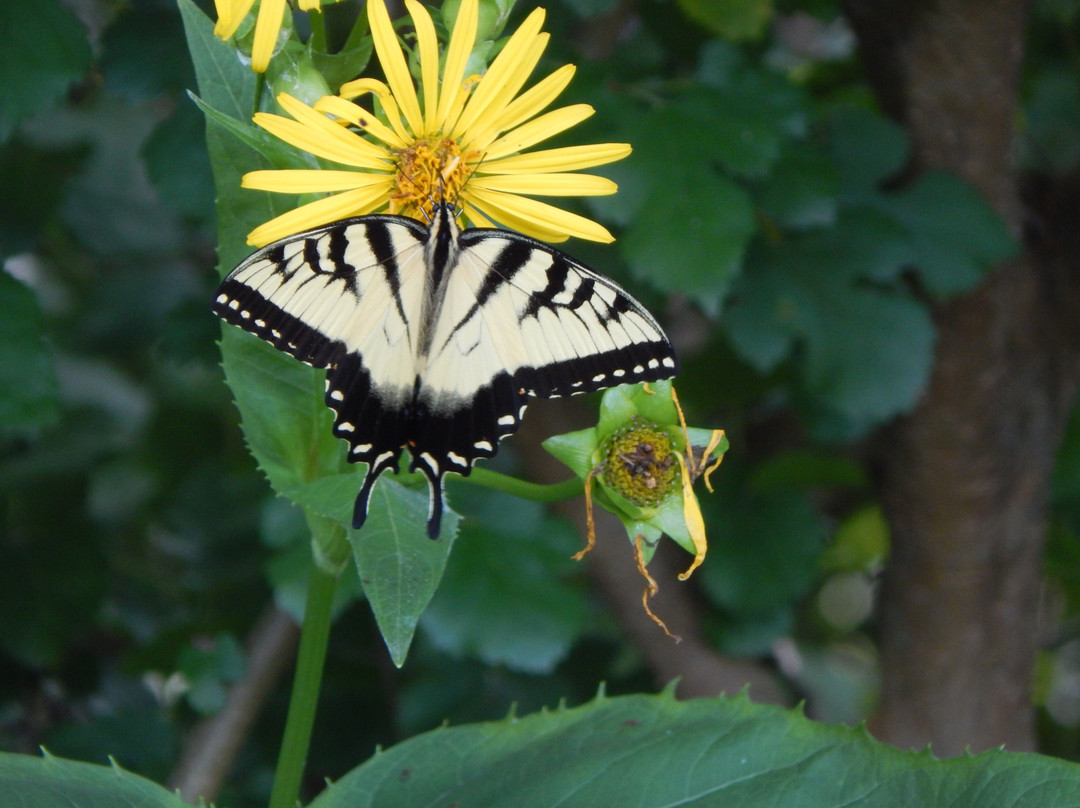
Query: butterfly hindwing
point(435, 338)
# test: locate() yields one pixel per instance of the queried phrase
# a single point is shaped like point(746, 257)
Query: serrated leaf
point(50, 782)
point(652, 751)
point(43, 50)
point(400, 567)
point(285, 419)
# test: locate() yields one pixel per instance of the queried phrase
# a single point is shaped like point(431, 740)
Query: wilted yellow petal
point(695, 524)
point(568, 158)
point(313, 180)
point(393, 64)
point(427, 45)
point(462, 40)
point(319, 212)
point(529, 215)
point(546, 184)
point(547, 125)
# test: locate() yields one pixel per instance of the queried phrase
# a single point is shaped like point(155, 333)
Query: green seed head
point(639, 463)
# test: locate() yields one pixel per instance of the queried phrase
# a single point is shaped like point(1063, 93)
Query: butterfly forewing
point(439, 358)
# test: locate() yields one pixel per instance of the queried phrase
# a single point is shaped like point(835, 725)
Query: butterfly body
point(434, 337)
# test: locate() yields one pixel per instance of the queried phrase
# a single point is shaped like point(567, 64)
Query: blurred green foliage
point(758, 210)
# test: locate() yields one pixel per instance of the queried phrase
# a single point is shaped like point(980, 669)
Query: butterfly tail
point(360, 509)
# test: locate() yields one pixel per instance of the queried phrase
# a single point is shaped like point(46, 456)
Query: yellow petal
point(695, 524)
point(308, 5)
point(568, 158)
point(547, 125)
point(358, 87)
point(526, 215)
point(507, 220)
point(356, 114)
point(546, 184)
point(230, 14)
point(267, 26)
point(313, 214)
point(508, 73)
point(525, 106)
point(393, 64)
point(311, 181)
point(427, 44)
point(462, 40)
point(315, 133)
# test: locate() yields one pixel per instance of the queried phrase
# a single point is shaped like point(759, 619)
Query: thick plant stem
point(314, 636)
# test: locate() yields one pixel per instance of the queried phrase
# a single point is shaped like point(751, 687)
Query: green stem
point(318, 30)
point(260, 88)
point(314, 636)
point(537, 492)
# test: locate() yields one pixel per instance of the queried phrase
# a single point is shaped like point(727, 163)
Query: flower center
point(429, 172)
point(639, 463)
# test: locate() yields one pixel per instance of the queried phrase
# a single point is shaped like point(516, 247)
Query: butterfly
point(434, 337)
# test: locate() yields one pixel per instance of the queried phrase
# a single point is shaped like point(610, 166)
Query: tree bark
point(964, 479)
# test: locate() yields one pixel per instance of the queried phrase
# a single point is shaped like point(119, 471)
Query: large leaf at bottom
point(48, 782)
point(650, 751)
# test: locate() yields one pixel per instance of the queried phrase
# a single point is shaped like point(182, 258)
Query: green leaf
point(860, 543)
point(872, 356)
point(49, 782)
point(136, 32)
point(575, 449)
point(867, 350)
point(505, 597)
point(763, 546)
point(286, 422)
point(867, 149)
point(652, 751)
point(956, 234)
point(27, 375)
point(690, 237)
point(731, 19)
point(801, 189)
point(43, 50)
point(177, 163)
point(400, 567)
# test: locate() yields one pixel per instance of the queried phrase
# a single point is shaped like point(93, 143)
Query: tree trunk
point(964, 479)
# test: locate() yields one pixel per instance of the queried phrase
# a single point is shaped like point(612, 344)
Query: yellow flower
point(461, 139)
point(267, 25)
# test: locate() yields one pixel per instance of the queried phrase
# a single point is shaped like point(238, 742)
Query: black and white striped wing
point(521, 319)
point(346, 297)
point(441, 359)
